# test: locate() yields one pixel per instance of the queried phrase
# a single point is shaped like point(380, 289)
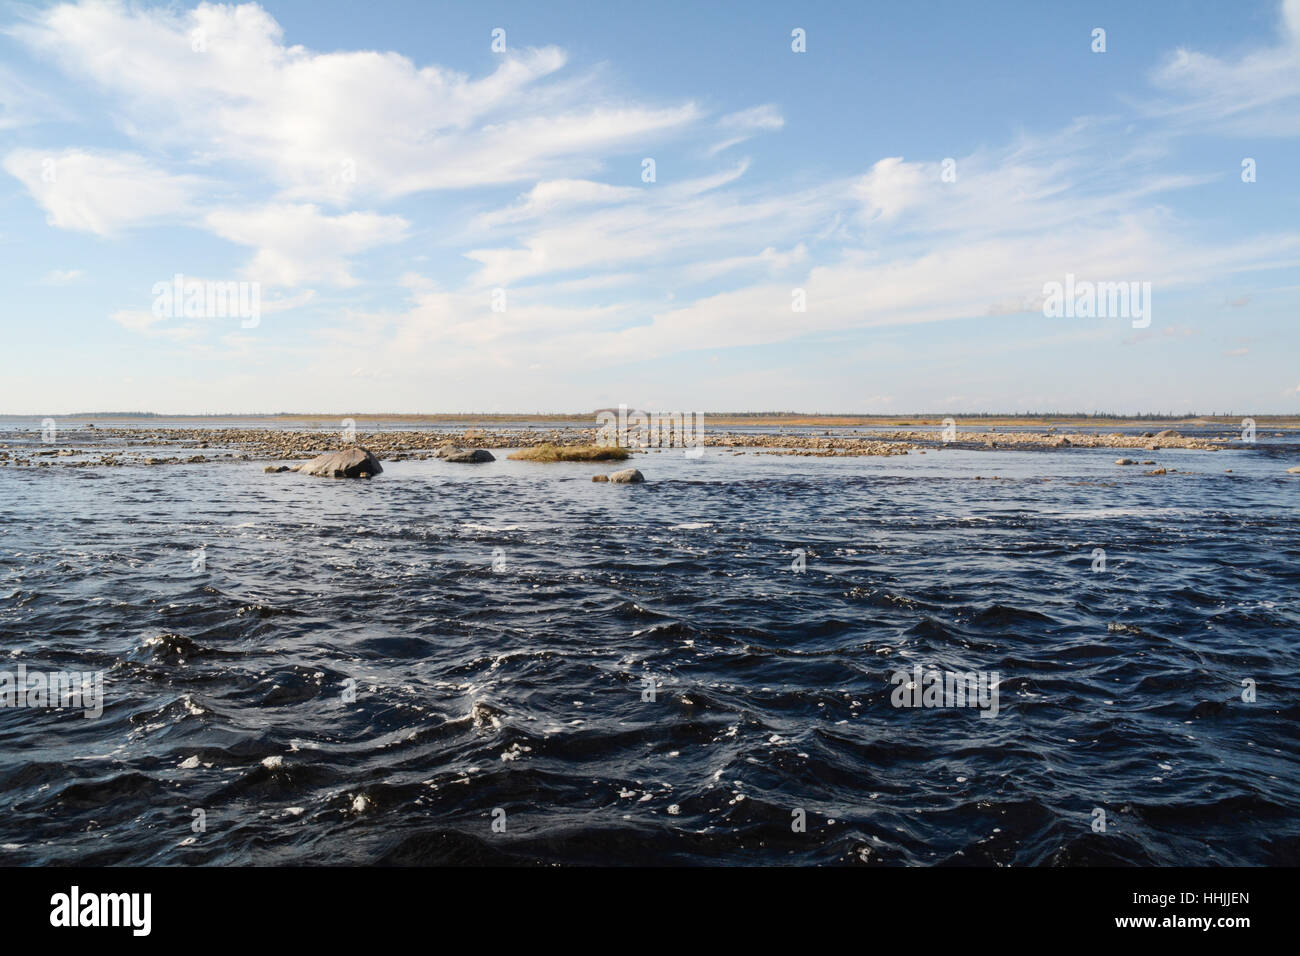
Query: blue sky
point(381, 173)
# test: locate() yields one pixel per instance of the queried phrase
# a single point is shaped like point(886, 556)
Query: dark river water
point(509, 663)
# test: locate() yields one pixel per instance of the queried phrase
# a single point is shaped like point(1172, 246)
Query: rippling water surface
point(517, 693)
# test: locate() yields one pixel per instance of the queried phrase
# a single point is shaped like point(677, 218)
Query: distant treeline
point(1140, 416)
point(120, 415)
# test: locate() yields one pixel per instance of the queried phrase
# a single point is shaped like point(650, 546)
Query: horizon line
point(716, 414)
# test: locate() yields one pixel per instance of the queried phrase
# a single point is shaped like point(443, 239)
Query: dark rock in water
point(171, 647)
point(1124, 461)
point(628, 476)
point(275, 469)
point(1156, 471)
point(600, 477)
point(469, 456)
point(354, 462)
point(1209, 708)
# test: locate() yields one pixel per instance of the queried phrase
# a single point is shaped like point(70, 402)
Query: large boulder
point(1168, 433)
point(628, 476)
point(468, 456)
point(354, 462)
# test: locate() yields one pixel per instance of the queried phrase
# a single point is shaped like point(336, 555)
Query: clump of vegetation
point(571, 453)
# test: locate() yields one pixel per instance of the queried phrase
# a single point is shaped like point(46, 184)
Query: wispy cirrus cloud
point(744, 124)
point(1254, 94)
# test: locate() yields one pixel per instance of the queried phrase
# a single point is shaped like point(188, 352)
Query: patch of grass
point(571, 453)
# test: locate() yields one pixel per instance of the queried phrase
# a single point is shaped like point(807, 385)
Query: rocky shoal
point(203, 445)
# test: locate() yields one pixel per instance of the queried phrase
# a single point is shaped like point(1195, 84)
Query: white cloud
point(893, 185)
point(770, 258)
point(556, 194)
point(100, 192)
point(298, 243)
point(62, 276)
point(652, 225)
point(329, 127)
point(765, 117)
point(137, 320)
point(106, 193)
